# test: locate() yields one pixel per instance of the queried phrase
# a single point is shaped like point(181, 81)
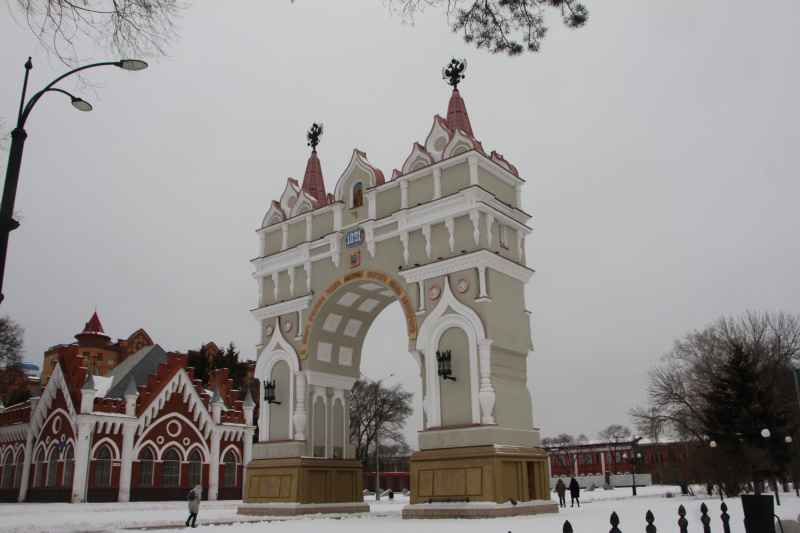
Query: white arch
point(278, 349)
point(144, 440)
point(115, 454)
point(431, 331)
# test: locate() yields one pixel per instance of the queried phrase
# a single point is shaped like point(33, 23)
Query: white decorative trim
point(432, 329)
point(282, 308)
point(489, 222)
point(476, 259)
point(473, 169)
point(404, 239)
point(437, 183)
point(403, 194)
point(475, 217)
point(323, 379)
point(450, 223)
point(426, 231)
point(291, 280)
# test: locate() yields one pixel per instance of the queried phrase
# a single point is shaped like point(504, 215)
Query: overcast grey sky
point(659, 144)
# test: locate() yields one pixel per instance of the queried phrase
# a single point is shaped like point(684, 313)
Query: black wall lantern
point(443, 359)
point(269, 392)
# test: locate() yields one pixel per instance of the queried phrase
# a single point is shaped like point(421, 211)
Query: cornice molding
point(282, 308)
point(481, 258)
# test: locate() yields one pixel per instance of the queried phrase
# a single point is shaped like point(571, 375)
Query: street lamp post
point(18, 136)
point(632, 461)
point(377, 435)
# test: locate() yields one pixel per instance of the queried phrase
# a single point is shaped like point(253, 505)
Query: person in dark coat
point(561, 489)
point(574, 492)
point(194, 505)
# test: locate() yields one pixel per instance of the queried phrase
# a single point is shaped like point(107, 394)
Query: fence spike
point(683, 524)
point(567, 527)
point(650, 519)
point(704, 518)
point(614, 523)
point(726, 526)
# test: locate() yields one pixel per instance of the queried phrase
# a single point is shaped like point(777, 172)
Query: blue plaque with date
point(354, 237)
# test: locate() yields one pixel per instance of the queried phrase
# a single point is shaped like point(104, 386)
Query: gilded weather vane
point(313, 135)
point(453, 72)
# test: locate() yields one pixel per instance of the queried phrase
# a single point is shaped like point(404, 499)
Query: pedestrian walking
point(194, 504)
point(574, 492)
point(561, 489)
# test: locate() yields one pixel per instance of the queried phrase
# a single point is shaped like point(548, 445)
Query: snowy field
point(220, 517)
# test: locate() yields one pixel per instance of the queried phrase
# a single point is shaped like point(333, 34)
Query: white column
point(421, 294)
point(275, 283)
point(404, 239)
point(489, 222)
point(450, 223)
point(437, 183)
point(285, 236)
point(26, 466)
point(404, 194)
point(307, 268)
point(482, 280)
point(299, 417)
point(473, 169)
point(82, 449)
point(426, 230)
point(126, 466)
point(475, 217)
point(309, 218)
point(486, 394)
point(247, 454)
point(291, 280)
point(213, 466)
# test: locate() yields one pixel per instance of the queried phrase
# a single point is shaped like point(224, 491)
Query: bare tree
point(726, 384)
point(615, 436)
point(651, 425)
point(11, 341)
point(564, 447)
point(501, 26)
point(131, 28)
point(377, 410)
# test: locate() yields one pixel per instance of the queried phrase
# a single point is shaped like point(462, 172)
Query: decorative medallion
point(269, 330)
point(186, 441)
point(355, 259)
point(462, 285)
point(434, 292)
point(174, 428)
point(354, 237)
point(160, 440)
point(56, 425)
point(287, 326)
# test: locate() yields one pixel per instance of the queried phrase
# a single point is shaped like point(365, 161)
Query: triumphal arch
point(445, 236)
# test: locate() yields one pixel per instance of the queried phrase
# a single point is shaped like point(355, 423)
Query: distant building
point(663, 461)
point(18, 382)
point(96, 349)
point(144, 430)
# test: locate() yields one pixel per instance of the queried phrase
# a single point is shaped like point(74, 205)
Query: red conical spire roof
point(94, 325)
point(457, 117)
point(93, 330)
point(312, 182)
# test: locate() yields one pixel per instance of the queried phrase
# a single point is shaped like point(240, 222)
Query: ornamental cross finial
point(313, 135)
point(453, 72)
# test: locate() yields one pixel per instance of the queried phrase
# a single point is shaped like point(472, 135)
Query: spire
point(94, 326)
point(89, 383)
point(248, 399)
point(313, 183)
point(457, 117)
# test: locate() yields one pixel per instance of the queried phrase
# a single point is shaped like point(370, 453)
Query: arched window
point(40, 466)
point(102, 467)
point(230, 470)
point(171, 471)
point(52, 467)
point(8, 464)
point(358, 194)
point(69, 458)
point(195, 468)
point(18, 470)
point(146, 468)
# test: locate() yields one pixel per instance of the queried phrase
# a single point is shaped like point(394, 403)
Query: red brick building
point(145, 431)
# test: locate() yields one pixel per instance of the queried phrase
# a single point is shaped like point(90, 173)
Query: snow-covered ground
point(220, 517)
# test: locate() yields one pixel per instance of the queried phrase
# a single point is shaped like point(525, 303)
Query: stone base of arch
point(305, 480)
point(482, 474)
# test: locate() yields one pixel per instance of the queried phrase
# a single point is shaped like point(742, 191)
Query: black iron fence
point(683, 523)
